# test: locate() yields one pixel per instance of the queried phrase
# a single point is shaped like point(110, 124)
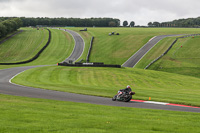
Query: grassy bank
point(155, 52)
point(19, 115)
point(59, 49)
point(23, 46)
point(183, 58)
point(117, 49)
point(160, 86)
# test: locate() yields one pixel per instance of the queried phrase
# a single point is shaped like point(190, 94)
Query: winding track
point(11, 89)
point(133, 60)
point(79, 46)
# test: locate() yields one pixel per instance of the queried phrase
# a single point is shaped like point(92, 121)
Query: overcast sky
point(139, 11)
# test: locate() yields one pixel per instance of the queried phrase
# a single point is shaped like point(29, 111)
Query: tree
point(112, 24)
point(125, 23)
point(156, 24)
point(150, 24)
point(132, 24)
point(2, 30)
point(9, 25)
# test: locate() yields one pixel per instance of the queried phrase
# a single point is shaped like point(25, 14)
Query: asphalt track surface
point(133, 60)
point(6, 87)
point(79, 46)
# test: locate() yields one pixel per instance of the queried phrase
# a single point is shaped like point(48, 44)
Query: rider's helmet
point(128, 86)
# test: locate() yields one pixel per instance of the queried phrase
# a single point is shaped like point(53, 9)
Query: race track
point(79, 46)
point(6, 87)
point(133, 60)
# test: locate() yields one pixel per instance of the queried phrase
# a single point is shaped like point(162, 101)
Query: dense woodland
point(8, 25)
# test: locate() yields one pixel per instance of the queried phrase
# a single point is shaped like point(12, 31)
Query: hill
point(116, 49)
point(183, 58)
point(26, 44)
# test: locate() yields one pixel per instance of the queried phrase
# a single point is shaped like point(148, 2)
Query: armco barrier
point(35, 57)
point(95, 64)
point(169, 49)
point(90, 49)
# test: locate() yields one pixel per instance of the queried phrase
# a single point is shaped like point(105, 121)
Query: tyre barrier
point(84, 29)
point(35, 57)
point(169, 49)
point(94, 64)
point(90, 49)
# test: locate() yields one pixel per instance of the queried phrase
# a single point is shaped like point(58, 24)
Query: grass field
point(23, 46)
point(155, 52)
point(182, 60)
point(160, 86)
point(59, 49)
point(19, 115)
point(117, 49)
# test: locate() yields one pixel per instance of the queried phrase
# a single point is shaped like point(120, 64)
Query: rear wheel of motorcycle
point(128, 99)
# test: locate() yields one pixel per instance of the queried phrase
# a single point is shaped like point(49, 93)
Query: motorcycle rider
point(126, 90)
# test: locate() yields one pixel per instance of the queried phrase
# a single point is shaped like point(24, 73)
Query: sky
point(140, 11)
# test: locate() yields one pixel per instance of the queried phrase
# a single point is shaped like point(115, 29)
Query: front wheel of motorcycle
point(114, 98)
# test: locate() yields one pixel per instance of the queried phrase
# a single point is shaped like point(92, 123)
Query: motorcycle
point(123, 96)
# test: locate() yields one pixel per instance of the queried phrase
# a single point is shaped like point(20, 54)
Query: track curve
point(134, 59)
point(6, 87)
point(79, 46)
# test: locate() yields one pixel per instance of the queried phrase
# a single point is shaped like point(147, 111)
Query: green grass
point(36, 115)
point(23, 46)
point(117, 49)
point(155, 52)
point(182, 60)
point(160, 86)
point(3, 38)
point(19, 115)
point(59, 49)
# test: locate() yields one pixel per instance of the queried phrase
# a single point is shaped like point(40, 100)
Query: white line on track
point(153, 102)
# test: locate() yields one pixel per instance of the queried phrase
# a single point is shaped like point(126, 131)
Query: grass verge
point(160, 86)
point(60, 47)
point(23, 46)
point(183, 58)
point(116, 49)
point(19, 115)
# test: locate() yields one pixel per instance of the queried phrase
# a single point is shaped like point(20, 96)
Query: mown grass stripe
point(164, 87)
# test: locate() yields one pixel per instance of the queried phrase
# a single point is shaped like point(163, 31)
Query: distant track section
point(133, 60)
point(79, 46)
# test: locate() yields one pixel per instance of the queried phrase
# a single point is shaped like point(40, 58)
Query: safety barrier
point(169, 49)
point(90, 49)
point(35, 57)
point(94, 64)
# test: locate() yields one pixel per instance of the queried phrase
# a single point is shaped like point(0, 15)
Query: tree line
point(189, 22)
point(8, 25)
point(76, 22)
